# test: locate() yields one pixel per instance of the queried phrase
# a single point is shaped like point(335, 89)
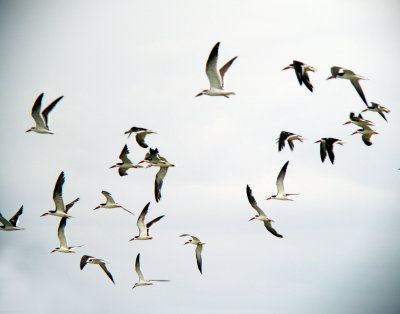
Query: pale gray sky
point(134, 63)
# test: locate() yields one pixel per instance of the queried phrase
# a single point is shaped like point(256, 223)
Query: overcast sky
point(140, 63)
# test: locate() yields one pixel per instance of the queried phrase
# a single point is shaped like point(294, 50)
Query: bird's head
point(201, 93)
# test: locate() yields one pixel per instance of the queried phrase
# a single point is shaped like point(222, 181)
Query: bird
point(327, 146)
point(261, 215)
point(126, 163)
point(41, 119)
point(215, 77)
point(60, 210)
point(12, 224)
point(110, 203)
point(339, 72)
point(64, 248)
point(92, 260)
point(366, 132)
point(144, 229)
point(199, 247)
point(377, 108)
point(152, 158)
point(281, 195)
point(301, 70)
point(289, 137)
point(142, 281)
point(140, 135)
point(360, 121)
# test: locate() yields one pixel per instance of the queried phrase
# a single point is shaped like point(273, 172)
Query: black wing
point(14, 219)
point(282, 138)
point(49, 108)
point(298, 68)
point(149, 224)
point(329, 148)
point(68, 206)
point(84, 261)
point(359, 90)
point(103, 266)
point(322, 150)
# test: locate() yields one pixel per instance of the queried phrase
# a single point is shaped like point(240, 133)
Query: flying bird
point(360, 121)
point(92, 260)
point(152, 158)
point(281, 195)
point(301, 70)
point(12, 224)
point(142, 281)
point(126, 163)
point(64, 248)
point(289, 137)
point(339, 72)
point(110, 203)
point(199, 247)
point(140, 135)
point(60, 210)
point(261, 215)
point(144, 229)
point(377, 108)
point(327, 146)
point(41, 119)
point(216, 77)
point(367, 133)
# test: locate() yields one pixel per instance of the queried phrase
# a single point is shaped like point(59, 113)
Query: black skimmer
point(301, 70)
point(360, 121)
point(140, 135)
point(92, 260)
point(281, 195)
point(152, 158)
point(216, 77)
point(377, 108)
point(12, 224)
point(144, 229)
point(339, 72)
point(199, 247)
point(366, 132)
point(142, 281)
point(41, 119)
point(261, 215)
point(60, 210)
point(64, 248)
point(126, 163)
point(327, 146)
point(289, 137)
point(110, 203)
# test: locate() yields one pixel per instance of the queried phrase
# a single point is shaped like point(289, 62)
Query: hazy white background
point(140, 63)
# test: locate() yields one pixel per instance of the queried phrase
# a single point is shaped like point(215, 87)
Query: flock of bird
point(153, 159)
